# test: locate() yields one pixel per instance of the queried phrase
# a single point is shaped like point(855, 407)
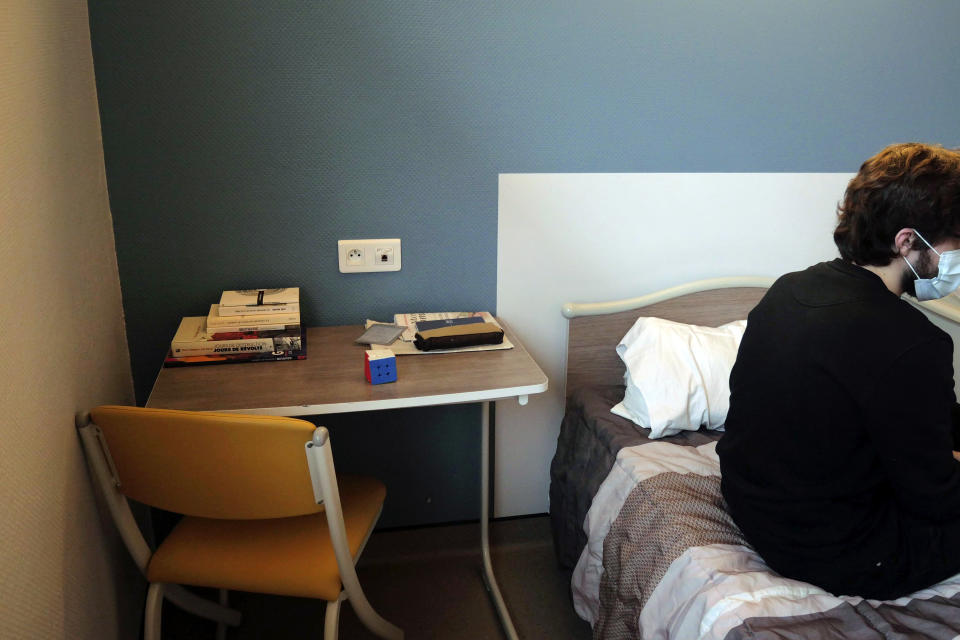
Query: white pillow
point(678, 375)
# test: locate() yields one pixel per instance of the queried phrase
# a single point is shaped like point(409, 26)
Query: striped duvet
point(664, 560)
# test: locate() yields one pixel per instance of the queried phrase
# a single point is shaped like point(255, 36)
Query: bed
point(640, 522)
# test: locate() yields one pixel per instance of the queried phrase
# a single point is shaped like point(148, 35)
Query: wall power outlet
point(358, 256)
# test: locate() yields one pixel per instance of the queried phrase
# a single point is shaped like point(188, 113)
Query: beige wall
point(61, 333)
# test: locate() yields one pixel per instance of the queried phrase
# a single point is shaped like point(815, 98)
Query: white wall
point(594, 237)
point(61, 333)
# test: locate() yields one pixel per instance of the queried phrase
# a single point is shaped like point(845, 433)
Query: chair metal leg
point(192, 603)
point(152, 614)
point(222, 626)
point(331, 622)
point(373, 620)
point(320, 459)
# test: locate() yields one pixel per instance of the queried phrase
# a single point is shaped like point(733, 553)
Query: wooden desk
point(331, 380)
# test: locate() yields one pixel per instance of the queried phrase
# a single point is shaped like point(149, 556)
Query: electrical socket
point(357, 256)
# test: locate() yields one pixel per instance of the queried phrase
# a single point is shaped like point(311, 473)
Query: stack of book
point(249, 325)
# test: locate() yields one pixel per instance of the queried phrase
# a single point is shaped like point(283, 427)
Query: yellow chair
point(262, 509)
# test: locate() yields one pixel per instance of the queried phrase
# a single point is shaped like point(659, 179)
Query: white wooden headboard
point(585, 237)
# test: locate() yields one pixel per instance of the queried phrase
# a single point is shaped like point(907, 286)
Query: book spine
point(192, 361)
point(253, 331)
point(214, 347)
point(293, 307)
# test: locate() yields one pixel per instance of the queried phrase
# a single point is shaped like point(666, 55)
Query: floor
point(428, 582)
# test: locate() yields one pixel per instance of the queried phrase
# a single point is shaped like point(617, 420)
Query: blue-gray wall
point(242, 139)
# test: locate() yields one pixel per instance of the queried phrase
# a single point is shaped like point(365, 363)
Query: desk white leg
point(488, 576)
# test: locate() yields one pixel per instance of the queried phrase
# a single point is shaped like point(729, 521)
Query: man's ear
point(903, 241)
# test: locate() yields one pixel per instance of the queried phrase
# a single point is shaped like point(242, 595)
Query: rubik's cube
point(380, 365)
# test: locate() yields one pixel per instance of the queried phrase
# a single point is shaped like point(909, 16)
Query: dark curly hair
point(912, 186)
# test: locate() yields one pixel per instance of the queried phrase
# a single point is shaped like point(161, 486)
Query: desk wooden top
point(331, 380)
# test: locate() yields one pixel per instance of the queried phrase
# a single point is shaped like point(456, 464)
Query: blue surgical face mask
point(947, 279)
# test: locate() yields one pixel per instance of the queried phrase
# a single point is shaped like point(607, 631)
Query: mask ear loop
point(917, 275)
point(917, 233)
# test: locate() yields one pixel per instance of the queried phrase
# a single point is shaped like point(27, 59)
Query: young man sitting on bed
point(836, 462)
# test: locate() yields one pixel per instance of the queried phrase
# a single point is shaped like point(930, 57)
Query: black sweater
point(836, 461)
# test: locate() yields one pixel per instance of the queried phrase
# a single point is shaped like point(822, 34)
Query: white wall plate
point(358, 256)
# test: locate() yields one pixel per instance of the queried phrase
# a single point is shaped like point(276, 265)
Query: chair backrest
point(212, 465)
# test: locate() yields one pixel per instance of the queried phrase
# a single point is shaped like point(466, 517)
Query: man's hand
point(956, 455)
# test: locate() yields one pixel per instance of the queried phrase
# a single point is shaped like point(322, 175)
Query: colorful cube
point(380, 365)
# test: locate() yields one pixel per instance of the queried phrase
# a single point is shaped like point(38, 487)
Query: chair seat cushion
point(282, 556)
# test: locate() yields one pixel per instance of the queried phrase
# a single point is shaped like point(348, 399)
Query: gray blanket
point(673, 528)
point(673, 563)
point(661, 519)
point(590, 437)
